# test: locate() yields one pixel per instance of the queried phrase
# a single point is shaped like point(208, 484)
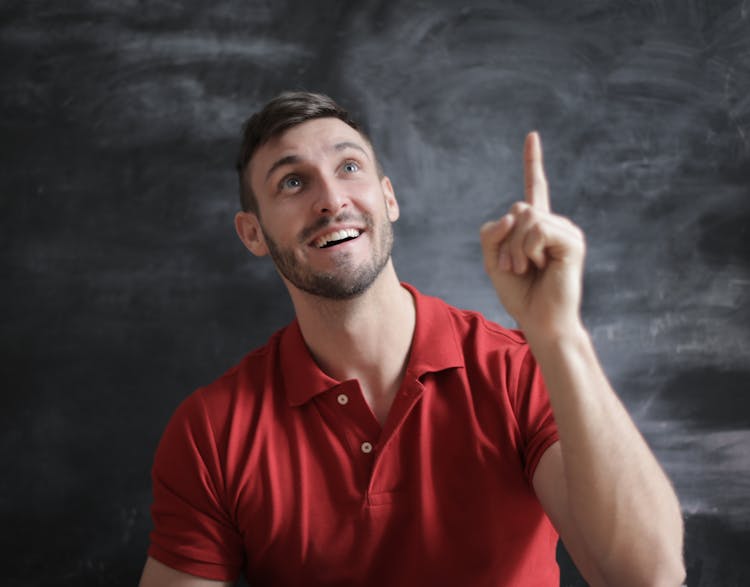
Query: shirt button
point(343, 399)
point(366, 447)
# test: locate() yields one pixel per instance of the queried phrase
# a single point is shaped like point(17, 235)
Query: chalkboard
point(125, 287)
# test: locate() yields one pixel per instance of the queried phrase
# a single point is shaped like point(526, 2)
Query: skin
point(368, 336)
point(600, 484)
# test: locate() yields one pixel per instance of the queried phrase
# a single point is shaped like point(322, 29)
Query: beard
point(347, 280)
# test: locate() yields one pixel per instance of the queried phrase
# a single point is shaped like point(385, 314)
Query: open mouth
point(336, 238)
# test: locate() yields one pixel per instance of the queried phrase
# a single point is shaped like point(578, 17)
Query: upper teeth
point(336, 236)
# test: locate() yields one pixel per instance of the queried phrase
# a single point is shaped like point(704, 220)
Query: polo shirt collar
point(302, 377)
point(434, 348)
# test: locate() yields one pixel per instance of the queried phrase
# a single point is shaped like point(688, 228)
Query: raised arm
point(601, 485)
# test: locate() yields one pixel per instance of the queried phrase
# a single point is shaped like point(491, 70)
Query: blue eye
point(291, 182)
point(351, 167)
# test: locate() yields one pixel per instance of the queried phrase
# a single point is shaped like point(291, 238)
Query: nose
point(331, 197)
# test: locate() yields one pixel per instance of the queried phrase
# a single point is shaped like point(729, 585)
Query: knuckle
point(527, 214)
point(518, 208)
point(570, 224)
point(536, 231)
point(487, 230)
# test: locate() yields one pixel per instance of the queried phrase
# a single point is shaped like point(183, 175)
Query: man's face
point(324, 214)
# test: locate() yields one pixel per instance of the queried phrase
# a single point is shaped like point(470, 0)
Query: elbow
point(667, 574)
point(657, 562)
point(658, 558)
point(665, 570)
point(674, 572)
point(671, 570)
point(670, 575)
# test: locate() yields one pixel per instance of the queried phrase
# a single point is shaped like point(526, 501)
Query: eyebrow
point(292, 159)
point(288, 160)
point(349, 145)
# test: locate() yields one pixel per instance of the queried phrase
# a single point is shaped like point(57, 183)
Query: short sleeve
point(193, 531)
point(533, 411)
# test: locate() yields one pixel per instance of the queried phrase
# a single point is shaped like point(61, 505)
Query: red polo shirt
point(278, 470)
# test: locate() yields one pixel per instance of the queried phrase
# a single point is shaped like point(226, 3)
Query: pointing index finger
point(536, 192)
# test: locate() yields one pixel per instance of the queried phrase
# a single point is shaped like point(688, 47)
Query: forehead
point(317, 130)
point(311, 140)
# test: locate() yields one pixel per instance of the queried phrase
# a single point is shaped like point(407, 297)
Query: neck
point(366, 338)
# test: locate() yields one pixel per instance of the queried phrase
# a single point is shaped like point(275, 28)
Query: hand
point(535, 258)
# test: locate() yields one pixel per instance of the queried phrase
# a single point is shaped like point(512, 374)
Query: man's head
point(280, 114)
point(314, 197)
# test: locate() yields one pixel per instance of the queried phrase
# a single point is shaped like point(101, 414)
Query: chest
point(327, 489)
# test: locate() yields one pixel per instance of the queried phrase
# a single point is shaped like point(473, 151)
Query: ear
point(391, 204)
point(248, 229)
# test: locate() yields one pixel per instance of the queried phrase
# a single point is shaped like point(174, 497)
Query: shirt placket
point(346, 410)
point(370, 446)
point(386, 470)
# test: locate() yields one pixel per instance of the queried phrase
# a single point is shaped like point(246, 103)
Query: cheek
point(282, 227)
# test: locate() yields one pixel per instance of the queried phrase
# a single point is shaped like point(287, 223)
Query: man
point(385, 438)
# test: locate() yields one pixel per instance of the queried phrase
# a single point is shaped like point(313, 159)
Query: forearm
point(618, 495)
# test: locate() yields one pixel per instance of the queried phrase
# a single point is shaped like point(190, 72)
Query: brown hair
point(280, 114)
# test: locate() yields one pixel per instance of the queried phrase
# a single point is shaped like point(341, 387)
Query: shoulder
point(500, 354)
point(466, 324)
point(477, 340)
point(472, 323)
point(243, 389)
point(475, 331)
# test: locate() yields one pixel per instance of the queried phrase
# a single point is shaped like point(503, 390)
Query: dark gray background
point(124, 286)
